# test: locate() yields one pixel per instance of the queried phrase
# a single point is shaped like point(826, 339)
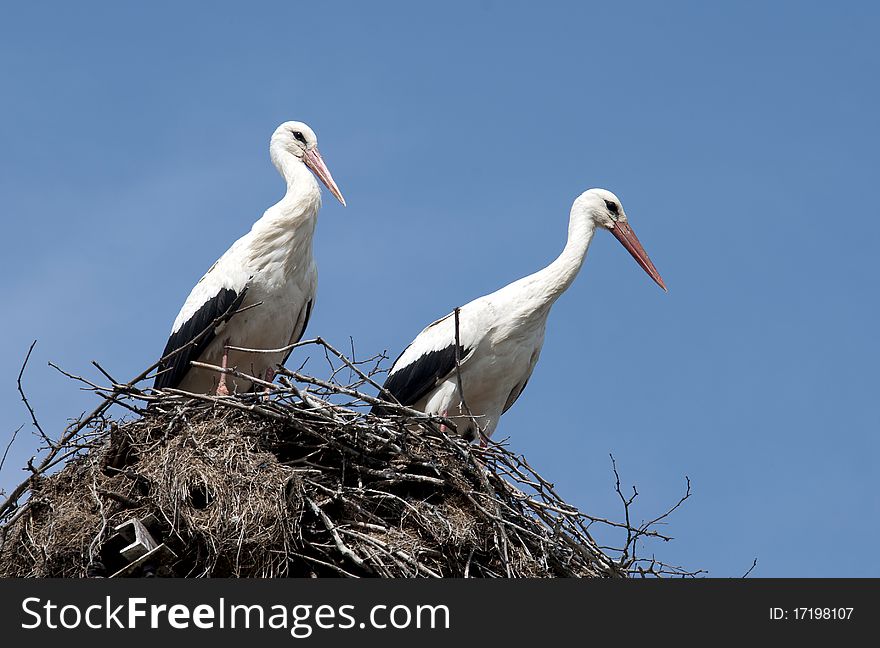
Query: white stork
point(260, 293)
point(500, 335)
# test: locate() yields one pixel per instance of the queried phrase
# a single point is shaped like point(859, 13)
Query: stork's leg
point(443, 425)
point(222, 389)
point(268, 376)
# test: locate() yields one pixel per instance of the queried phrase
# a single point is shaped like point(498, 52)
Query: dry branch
point(301, 481)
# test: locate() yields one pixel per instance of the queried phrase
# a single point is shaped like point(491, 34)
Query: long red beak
point(315, 162)
point(630, 241)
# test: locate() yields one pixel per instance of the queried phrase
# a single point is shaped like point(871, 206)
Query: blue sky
point(742, 139)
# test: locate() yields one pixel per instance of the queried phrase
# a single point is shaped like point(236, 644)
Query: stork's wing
point(427, 362)
point(298, 335)
point(515, 393)
point(214, 312)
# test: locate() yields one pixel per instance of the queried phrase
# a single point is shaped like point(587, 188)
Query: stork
point(259, 294)
point(471, 365)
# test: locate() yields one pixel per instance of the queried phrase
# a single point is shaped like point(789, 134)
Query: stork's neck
point(548, 284)
point(284, 234)
point(303, 197)
point(293, 169)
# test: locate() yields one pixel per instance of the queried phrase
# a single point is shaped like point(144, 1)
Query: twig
point(343, 548)
point(626, 504)
point(361, 495)
point(10, 502)
point(681, 501)
point(25, 400)
point(9, 445)
point(410, 412)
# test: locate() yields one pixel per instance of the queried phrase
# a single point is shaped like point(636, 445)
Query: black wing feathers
point(410, 383)
point(302, 332)
point(514, 395)
point(222, 305)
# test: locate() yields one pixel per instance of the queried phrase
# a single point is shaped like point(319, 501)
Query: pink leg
point(222, 389)
point(443, 425)
point(269, 376)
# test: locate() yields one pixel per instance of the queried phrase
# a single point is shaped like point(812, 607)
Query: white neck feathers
point(285, 231)
point(548, 284)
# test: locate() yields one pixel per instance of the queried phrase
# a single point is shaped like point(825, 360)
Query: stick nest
point(292, 484)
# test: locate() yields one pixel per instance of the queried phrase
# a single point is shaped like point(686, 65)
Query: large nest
point(291, 483)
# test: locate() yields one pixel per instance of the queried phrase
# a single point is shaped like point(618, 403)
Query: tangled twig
point(301, 480)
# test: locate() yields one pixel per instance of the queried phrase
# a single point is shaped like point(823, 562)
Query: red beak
point(315, 162)
point(630, 241)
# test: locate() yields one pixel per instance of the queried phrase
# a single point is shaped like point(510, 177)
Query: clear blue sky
point(742, 140)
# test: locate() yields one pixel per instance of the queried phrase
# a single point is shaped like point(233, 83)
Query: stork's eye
point(298, 135)
point(612, 206)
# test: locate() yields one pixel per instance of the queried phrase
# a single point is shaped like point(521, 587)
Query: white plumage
point(261, 291)
point(501, 334)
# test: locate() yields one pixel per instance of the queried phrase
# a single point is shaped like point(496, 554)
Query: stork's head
point(606, 211)
point(297, 139)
